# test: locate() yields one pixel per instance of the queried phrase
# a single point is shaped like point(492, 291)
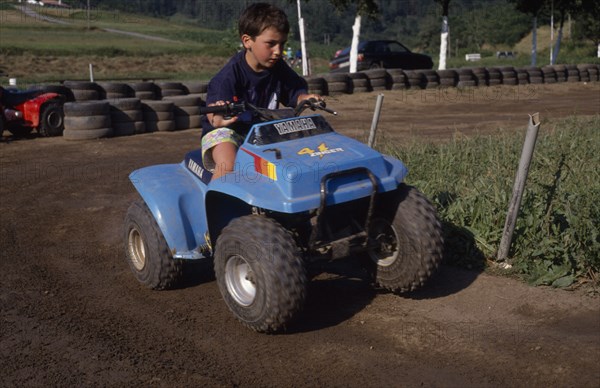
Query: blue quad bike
point(300, 193)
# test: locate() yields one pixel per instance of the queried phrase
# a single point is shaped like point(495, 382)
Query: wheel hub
point(54, 119)
point(137, 250)
point(385, 246)
point(240, 280)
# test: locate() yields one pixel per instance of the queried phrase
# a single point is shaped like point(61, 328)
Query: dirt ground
point(72, 314)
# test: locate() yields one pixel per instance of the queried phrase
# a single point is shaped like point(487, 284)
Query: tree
point(531, 7)
point(363, 7)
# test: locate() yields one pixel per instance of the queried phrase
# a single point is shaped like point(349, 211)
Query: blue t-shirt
point(236, 81)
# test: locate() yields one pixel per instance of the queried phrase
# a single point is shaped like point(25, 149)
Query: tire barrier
point(572, 73)
point(397, 78)
point(317, 85)
point(101, 109)
point(114, 90)
point(168, 89)
point(466, 78)
point(337, 83)
point(378, 79)
point(126, 117)
point(83, 90)
point(509, 75)
point(448, 78)
point(158, 115)
point(145, 90)
point(87, 120)
point(359, 82)
point(186, 111)
point(549, 74)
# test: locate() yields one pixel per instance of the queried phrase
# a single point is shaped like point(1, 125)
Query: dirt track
point(72, 314)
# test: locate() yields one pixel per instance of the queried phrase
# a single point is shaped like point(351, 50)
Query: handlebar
point(231, 109)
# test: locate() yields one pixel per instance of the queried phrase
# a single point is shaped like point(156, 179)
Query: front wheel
point(407, 250)
point(52, 120)
point(146, 250)
point(260, 273)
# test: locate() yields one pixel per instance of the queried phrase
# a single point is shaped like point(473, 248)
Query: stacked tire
point(317, 85)
point(466, 78)
point(522, 76)
point(359, 82)
point(127, 117)
point(480, 75)
point(83, 90)
point(448, 78)
point(549, 74)
point(415, 79)
point(494, 76)
point(572, 73)
point(509, 75)
point(594, 72)
point(561, 73)
point(433, 80)
point(87, 120)
point(378, 79)
point(144, 90)
point(397, 78)
point(337, 83)
point(186, 111)
point(115, 90)
point(199, 87)
point(535, 75)
point(158, 115)
point(584, 75)
point(168, 89)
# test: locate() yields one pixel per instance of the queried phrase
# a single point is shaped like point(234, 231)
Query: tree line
point(473, 23)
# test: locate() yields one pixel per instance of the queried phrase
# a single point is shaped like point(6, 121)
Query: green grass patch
point(470, 180)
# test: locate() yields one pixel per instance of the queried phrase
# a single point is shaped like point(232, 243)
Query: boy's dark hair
point(259, 16)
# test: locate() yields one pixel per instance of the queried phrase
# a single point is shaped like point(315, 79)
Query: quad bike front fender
point(263, 192)
point(31, 109)
point(176, 200)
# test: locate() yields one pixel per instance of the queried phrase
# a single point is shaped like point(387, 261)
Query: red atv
point(23, 111)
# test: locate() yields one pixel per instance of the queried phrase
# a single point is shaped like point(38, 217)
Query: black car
point(387, 54)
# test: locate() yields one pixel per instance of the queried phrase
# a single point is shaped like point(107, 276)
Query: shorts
point(214, 137)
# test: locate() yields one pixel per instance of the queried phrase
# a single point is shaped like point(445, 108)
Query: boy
point(258, 75)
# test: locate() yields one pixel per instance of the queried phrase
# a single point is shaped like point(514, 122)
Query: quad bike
point(300, 193)
point(23, 111)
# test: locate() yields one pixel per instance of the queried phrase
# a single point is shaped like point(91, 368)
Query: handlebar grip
point(214, 109)
point(229, 109)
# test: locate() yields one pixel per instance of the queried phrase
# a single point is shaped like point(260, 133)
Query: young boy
point(258, 75)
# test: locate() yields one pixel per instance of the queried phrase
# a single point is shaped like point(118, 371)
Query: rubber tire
point(87, 134)
point(52, 119)
point(416, 228)
point(87, 122)
point(275, 260)
point(87, 108)
point(157, 269)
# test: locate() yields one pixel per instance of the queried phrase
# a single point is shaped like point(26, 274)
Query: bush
point(557, 236)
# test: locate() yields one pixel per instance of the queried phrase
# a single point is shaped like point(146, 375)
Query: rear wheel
point(408, 249)
point(260, 273)
point(52, 120)
point(146, 250)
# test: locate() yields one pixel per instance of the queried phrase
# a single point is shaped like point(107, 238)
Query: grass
point(557, 237)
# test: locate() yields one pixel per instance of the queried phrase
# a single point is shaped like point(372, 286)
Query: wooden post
point(375, 121)
point(519, 186)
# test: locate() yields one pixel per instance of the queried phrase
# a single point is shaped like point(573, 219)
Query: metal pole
point(519, 186)
point(91, 73)
point(375, 121)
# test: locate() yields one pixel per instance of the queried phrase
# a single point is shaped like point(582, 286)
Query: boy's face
point(265, 49)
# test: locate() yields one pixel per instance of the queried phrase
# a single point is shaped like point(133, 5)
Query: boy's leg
point(223, 155)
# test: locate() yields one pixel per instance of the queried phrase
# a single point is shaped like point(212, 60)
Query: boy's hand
point(217, 120)
point(303, 97)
